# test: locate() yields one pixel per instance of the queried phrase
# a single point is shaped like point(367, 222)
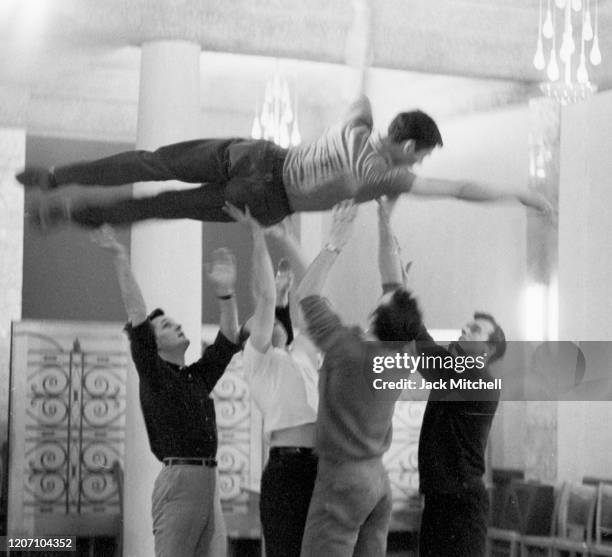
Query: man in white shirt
point(283, 384)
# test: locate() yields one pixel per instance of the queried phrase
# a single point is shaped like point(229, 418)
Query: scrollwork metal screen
point(67, 425)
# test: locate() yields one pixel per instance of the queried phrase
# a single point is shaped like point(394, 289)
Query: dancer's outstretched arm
point(468, 190)
point(264, 286)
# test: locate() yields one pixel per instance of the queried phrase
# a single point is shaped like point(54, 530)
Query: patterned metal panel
point(401, 461)
point(67, 421)
point(240, 451)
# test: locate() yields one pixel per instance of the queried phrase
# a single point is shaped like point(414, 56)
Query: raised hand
point(243, 217)
point(538, 201)
point(343, 218)
point(221, 271)
point(281, 231)
point(284, 281)
point(105, 238)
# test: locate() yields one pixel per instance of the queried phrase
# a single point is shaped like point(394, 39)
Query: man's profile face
point(169, 334)
point(475, 335)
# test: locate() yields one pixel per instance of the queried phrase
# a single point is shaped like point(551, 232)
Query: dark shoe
point(37, 177)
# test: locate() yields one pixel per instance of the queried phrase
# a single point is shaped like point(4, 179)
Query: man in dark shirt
point(452, 444)
point(456, 423)
point(178, 412)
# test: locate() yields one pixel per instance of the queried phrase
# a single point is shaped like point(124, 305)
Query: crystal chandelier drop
point(567, 67)
point(277, 120)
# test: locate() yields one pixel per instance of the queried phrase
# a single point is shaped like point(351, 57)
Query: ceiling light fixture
point(567, 68)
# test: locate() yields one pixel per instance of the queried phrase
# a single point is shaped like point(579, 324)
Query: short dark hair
point(399, 320)
point(418, 126)
point(497, 338)
point(155, 313)
point(243, 336)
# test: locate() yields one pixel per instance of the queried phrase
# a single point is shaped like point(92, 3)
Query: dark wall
point(65, 276)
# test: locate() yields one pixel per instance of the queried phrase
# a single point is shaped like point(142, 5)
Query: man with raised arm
point(178, 411)
point(348, 161)
point(283, 384)
point(456, 422)
point(351, 504)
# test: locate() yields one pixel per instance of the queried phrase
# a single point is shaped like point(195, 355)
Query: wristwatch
point(334, 249)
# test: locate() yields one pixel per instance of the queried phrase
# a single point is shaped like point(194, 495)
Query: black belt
point(209, 462)
point(291, 451)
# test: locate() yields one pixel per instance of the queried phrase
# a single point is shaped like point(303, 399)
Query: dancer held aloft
point(348, 161)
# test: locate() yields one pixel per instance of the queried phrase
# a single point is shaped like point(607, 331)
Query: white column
point(585, 267)
point(12, 159)
point(166, 257)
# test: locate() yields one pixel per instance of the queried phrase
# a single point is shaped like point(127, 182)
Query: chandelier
point(276, 120)
point(567, 65)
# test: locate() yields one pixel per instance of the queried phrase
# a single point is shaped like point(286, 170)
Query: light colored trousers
point(187, 518)
point(350, 510)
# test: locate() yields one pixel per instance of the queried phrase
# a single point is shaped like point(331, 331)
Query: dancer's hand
point(284, 281)
point(221, 271)
point(243, 217)
point(342, 224)
point(281, 231)
point(105, 238)
point(538, 201)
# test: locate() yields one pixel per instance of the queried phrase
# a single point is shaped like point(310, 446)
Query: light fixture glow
point(595, 56)
point(538, 60)
point(576, 84)
point(277, 121)
point(535, 312)
point(552, 71)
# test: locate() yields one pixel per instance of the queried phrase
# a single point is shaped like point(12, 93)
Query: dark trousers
point(454, 525)
point(243, 172)
point(286, 488)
